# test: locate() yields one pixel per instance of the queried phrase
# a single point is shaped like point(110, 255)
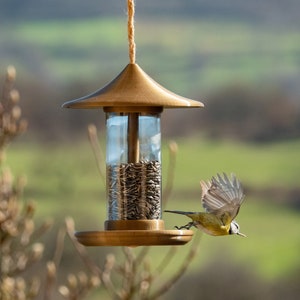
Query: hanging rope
point(130, 9)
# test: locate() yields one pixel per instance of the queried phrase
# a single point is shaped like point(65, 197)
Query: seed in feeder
point(134, 191)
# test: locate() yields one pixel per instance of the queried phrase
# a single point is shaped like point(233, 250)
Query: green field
point(63, 180)
point(187, 56)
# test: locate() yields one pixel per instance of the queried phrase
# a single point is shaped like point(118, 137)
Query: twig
point(53, 265)
point(130, 268)
point(91, 265)
point(106, 277)
point(166, 260)
point(50, 280)
point(140, 257)
point(59, 249)
point(98, 153)
point(170, 173)
point(190, 256)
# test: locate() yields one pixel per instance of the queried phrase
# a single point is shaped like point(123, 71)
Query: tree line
point(237, 111)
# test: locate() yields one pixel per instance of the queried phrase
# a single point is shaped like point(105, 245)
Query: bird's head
point(235, 229)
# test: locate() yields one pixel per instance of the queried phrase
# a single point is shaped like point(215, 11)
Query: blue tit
point(221, 198)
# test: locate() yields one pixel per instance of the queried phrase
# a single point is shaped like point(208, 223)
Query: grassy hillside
point(63, 180)
point(187, 56)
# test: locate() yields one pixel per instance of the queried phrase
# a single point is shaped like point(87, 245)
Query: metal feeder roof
point(132, 88)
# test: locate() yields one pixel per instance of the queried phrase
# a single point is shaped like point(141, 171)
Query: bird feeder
point(133, 103)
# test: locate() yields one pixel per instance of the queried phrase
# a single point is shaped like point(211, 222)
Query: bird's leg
point(187, 226)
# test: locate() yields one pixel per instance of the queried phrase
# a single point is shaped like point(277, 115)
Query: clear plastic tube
point(133, 162)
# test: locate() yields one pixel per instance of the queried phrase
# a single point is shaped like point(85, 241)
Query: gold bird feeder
point(133, 103)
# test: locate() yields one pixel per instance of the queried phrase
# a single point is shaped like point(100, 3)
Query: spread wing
point(222, 196)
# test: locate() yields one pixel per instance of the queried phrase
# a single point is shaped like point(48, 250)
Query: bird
point(221, 198)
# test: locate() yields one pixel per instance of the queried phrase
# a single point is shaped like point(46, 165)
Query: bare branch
point(170, 173)
point(180, 272)
point(142, 254)
point(91, 265)
point(106, 276)
point(166, 260)
point(98, 153)
point(50, 280)
point(59, 246)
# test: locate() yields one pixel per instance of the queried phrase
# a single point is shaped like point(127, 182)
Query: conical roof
point(132, 88)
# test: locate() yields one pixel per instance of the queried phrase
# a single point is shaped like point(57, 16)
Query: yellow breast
point(210, 224)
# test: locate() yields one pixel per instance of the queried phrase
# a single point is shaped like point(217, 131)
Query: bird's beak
point(241, 234)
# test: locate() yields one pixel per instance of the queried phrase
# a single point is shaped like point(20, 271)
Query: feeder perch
point(133, 102)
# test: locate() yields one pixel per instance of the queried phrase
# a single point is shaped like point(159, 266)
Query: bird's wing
point(222, 196)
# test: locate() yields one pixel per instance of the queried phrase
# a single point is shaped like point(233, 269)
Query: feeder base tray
point(134, 238)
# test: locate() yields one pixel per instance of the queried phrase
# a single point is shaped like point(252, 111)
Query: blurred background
point(240, 58)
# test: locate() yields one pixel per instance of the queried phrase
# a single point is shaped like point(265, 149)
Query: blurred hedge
point(236, 111)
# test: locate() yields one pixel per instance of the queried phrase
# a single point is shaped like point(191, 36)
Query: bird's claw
point(187, 226)
point(178, 228)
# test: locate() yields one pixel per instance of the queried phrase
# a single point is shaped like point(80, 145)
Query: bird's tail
point(180, 212)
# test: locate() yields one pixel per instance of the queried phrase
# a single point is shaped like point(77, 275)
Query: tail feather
point(180, 212)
